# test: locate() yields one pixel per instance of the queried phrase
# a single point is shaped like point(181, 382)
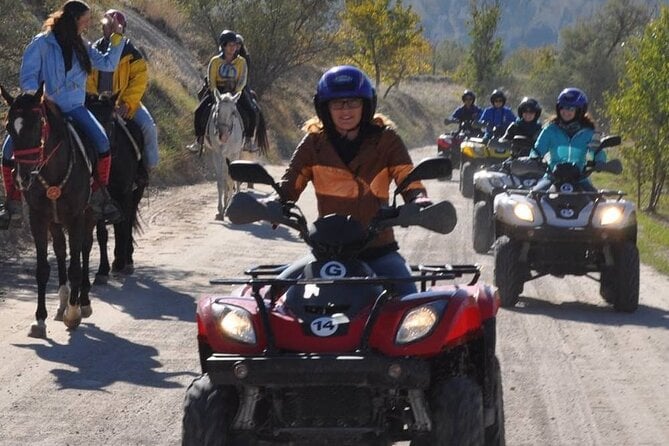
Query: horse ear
point(40, 91)
point(115, 97)
point(217, 94)
point(5, 94)
point(236, 97)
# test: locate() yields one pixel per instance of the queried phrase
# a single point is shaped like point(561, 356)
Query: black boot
point(104, 207)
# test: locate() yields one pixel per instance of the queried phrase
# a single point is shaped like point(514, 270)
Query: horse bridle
point(52, 192)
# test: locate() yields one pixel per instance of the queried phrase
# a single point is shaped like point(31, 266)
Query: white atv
point(568, 229)
point(516, 172)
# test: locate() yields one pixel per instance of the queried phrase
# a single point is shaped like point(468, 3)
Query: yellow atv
point(479, 153)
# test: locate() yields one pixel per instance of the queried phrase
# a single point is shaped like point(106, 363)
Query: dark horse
point(127, 181)
point(54, 175)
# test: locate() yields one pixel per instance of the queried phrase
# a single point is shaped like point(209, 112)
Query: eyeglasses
point(347, 103)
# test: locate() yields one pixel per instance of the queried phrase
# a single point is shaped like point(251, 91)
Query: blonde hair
point(315, 125)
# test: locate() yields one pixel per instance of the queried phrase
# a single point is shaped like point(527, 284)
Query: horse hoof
point(101, 279)
point(59, 314)
point(86, 311)
point(72, 316)
point(220, 217)
point(129, 269)
point(38, 330)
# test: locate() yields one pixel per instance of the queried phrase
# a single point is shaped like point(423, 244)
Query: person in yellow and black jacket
point(130, 79)
point(228, 72)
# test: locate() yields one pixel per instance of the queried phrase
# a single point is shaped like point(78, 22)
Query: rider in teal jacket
point(569, 137)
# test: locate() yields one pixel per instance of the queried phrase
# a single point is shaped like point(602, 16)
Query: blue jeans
point(150, 133)
point(389, 265)
point(85, 121)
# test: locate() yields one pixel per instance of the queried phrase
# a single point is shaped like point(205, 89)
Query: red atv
point(448, 143)
point(325, 352)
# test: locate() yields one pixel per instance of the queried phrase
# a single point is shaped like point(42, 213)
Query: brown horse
point(55, 177)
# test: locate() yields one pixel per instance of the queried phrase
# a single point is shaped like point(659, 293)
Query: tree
point(384, 40)
point(639, 108)
point(591, 50)
point(483, 67)
point(280, 36)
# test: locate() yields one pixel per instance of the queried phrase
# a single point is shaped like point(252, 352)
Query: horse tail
point(262, 141)
point(137, 195)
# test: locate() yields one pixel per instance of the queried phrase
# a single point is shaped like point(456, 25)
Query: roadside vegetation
point(618, 56)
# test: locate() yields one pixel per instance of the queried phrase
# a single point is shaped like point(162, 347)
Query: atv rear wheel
point(625, 289)
point(482, 229)
point(494, 434)
point(208, 412)
point(467, 180)
point(457, 413)
point(509, 273)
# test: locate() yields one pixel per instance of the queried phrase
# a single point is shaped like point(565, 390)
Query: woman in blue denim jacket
point(60, 58)
point(570, 136)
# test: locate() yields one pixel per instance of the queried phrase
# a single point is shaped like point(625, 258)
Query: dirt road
point(575, 372)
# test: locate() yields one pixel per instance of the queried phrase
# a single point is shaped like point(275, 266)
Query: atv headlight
point(611, 215)
point(417, 323)
point(523, 211)
point(236, 323)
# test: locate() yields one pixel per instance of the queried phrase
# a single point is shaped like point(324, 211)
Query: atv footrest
point(315, 370)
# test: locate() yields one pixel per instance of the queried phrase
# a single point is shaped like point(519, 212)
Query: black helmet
point(529, 104)
point(470, 94)
point(497, 94)
point(226, 37)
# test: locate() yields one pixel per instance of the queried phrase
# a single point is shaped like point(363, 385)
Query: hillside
point(523, 23)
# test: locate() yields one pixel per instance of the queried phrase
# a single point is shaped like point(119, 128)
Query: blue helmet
point(572, 97)
point(344, 81)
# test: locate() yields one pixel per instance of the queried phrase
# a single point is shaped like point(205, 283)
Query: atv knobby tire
point(456, 406)
point(208, 412)
point(494, 434)
point(625, 277)
point(509, 273)
point(467, 180)
point(482, 229)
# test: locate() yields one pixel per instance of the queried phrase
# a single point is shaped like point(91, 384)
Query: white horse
point(224, 137)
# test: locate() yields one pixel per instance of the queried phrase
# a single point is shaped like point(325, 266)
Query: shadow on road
point(143, 295)
point(122, 361)
point(645, 316)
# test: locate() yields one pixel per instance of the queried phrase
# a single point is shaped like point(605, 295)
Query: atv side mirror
point(427, 169)
point(251, 172)
point(610, 141)
point(614, 166)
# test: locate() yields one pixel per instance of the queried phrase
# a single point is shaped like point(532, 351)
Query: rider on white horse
point(227, 73)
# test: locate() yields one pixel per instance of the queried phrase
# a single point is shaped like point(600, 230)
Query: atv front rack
point(540, 193)
point(426, 274)
point(268, 275)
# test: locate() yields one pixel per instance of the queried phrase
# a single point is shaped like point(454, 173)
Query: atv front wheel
point(509, 273)
point(494, 434)
point(457, 413)
point(467, 180)
point(482, 229)
point(625, 289)
point(208, 412)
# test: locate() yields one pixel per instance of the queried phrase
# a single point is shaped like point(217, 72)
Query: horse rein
point(53, 193)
